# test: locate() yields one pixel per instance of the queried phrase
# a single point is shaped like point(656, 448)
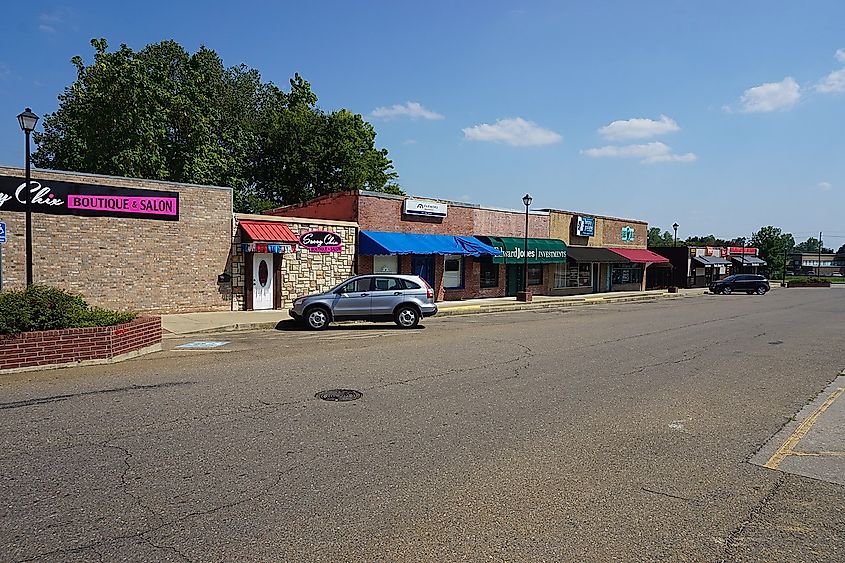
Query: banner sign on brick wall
point(88, 200)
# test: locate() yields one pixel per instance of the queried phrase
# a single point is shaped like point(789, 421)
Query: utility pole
point(819, 268)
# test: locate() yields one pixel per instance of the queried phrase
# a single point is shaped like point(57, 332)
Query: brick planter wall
point(53, 348)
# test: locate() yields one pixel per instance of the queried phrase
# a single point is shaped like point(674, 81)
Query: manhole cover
point(339, 395)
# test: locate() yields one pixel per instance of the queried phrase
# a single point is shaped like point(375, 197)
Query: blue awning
point(380, 243)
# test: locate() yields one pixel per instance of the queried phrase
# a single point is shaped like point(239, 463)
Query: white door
point(262, 281)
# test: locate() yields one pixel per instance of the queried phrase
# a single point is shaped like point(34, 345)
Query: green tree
point(841, 249)
point(655, 238)
point(773, 246)
point(165, 114)
point(309, 153)
point(812, 244)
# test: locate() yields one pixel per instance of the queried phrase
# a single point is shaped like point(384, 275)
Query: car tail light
point(429, 293)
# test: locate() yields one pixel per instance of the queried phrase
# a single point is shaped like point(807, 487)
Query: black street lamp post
point(675, 226)
point(523, 295)
point(27, 121)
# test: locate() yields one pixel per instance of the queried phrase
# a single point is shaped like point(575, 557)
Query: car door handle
point(365, 295)
point(397, 293)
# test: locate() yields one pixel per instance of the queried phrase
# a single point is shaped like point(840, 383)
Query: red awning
point(640, 255)
point(268, 231)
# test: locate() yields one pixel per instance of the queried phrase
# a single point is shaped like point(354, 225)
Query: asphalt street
point(611, 433)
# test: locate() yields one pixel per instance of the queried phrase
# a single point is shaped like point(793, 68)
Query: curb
point(462, 310)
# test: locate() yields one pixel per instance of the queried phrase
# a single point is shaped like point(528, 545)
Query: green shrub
point(40, 307)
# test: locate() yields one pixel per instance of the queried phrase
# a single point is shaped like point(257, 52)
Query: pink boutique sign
point(92, 200)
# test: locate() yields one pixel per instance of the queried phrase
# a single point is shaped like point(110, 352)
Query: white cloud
point(513, 131)
point(4, 71)
point(410, 142)
point(639, 128)
point(825, 186)
point(835, 81)
point(413, 110)
point(648, 153)
point(771, 96)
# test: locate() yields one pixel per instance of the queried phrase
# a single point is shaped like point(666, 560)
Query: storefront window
point(627, 273)
point(535, 274)
point(385, 264)
point(579, 275)
point(453, 271)
point(489, 272)
point(560, 275)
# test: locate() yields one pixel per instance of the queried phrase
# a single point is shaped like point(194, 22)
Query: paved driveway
point(606, 433)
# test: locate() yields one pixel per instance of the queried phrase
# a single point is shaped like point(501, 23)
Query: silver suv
point(378, 297)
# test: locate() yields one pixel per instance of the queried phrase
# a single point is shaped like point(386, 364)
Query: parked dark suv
point(749, 283)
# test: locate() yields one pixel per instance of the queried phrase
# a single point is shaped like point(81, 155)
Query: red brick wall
point(341, 206)
point(30, 349)
point(509, 224)
point(383, 214)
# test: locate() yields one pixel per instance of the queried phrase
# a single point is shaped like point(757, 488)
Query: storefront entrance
point(423, 266)
point(513, 280)
point(262, 281)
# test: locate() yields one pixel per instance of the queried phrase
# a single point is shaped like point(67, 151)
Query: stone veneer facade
point(125, 263)
point(302, 272)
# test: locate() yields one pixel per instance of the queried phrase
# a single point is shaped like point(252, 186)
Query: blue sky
point(723, 116)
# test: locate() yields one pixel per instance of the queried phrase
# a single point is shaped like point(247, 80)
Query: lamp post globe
point(675, 226)
point(27, 120)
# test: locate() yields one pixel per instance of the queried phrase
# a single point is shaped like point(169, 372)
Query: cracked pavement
point(615, 432)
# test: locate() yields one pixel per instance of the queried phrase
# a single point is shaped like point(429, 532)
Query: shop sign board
point(268, 247)
point(585, 226)
point(2, 233)
point(321, 241)
point(628, 234)
point(424, 207)
point(742, 250)
point(88, 200)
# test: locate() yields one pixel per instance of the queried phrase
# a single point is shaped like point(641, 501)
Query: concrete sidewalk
point(198, 323)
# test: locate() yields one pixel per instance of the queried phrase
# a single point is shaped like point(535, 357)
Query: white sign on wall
point(424, 207)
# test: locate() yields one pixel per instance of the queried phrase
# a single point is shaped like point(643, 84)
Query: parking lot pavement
point(615, 432)
point(813, 444)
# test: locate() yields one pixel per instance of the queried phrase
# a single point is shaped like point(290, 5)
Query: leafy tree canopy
point(812, 244)
point(656, 238)
point(773, 246)
point(165, 114)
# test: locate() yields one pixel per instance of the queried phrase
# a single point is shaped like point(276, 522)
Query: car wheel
point(406, 317)
point(761, 290)
point(726, 290)
point(317, 318)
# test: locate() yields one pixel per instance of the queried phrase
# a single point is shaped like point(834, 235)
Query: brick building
point(425, 224)
point(164, 247)
point(605, 253)
point(121, 243)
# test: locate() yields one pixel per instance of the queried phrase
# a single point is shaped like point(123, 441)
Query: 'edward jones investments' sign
point(88, 200)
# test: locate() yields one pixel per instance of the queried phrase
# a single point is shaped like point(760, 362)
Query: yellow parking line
point(819, 454)
point(461, 307)
point(787, 448)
